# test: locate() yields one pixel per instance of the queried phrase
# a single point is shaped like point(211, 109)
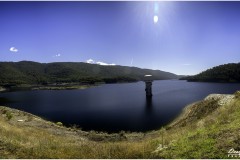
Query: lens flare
point(155, 19)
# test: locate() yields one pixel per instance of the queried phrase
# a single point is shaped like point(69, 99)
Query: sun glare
point(155, 19)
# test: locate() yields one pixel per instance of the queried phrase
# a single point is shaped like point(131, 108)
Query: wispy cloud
point(91, 61)
point(105, 64)
point(57, 55)
point(13, 49)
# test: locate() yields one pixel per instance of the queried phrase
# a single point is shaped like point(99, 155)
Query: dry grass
point(35, 142)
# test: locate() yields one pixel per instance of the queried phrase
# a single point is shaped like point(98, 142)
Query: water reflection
point(148, 104)
point(115, 107)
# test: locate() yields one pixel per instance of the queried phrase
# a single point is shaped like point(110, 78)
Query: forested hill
point(27, 72)
point(223, 73)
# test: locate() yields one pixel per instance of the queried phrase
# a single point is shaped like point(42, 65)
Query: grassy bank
point(67, 86)
point(206, 129)
point(63, 87)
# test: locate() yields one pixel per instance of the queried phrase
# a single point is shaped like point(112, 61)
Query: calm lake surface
point(116, 107)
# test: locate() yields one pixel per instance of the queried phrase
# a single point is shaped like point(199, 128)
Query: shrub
point(59, 123)
point(9, 115)
point(4, 111)
point(237, 94)
point(122, 133)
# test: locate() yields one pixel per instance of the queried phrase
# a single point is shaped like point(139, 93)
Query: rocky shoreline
point(202, 108)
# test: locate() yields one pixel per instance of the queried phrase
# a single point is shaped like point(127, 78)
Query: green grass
point(211, 137)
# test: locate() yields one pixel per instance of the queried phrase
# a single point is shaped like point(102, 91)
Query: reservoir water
point(116, 107)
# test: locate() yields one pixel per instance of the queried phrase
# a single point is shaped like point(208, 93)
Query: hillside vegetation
point(206, 129)
point(26, 72)
point(223, 73)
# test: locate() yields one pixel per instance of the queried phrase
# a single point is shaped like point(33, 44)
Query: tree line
point(27, 72)
point(222, 73)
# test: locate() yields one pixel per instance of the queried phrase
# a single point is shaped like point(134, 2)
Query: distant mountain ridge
point(28, 72)
point(222, 73)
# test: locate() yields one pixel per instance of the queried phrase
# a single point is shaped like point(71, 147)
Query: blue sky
point(188, 37)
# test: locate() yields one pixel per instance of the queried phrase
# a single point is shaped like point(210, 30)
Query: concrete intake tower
point(148, 82)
